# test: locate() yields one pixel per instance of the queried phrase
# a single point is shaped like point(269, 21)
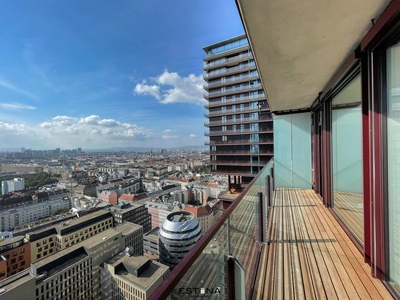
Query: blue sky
point(99, 74)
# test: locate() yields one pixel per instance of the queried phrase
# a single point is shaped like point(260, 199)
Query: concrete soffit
point(298, 46)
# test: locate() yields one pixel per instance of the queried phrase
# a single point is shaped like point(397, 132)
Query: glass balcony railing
point(223, 264)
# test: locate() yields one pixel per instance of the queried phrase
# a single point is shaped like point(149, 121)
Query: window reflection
point(393, 143)
point(347, 158)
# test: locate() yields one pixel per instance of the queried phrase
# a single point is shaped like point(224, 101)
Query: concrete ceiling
point(300, 45)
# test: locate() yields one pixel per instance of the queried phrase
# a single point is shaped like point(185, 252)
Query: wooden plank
point(362, 270)
point(298, 285)
point(310, 256)
point(337, 272)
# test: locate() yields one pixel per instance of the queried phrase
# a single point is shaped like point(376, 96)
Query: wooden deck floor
point(310, 256)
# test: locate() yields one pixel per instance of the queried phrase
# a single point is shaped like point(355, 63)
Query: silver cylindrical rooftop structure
point(178, 234)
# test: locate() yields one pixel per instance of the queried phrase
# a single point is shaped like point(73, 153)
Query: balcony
point(274, 244)
point(243, 152)
point(242, 78)
point(234, 101)
point(238, 131)
point(237, 58)
point(238, 121)
point(245, 141)
point(229, 71)
point(236, 163)
point(231, 112)
point(227, 52)
point(231, 91)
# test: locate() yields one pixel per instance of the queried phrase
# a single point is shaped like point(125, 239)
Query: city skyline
point(126, 75)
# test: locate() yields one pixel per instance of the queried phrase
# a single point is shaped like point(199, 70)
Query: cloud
point(93, 124)
point(192, 136)
point(16, 106)
point(170, 87)
point(169, 131)
point(144, 89)
point(170, 137)
point(12, 87)
point(69, 132)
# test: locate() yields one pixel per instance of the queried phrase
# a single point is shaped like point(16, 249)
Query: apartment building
point(205, 214)
point(239, 119)
point(15, 256)
point(12, 185)
point(150, 243)
point(133, 235)
point(159, 212)
point(15, 217)
point(47, 241)
point(132, 212)
point(77, 272)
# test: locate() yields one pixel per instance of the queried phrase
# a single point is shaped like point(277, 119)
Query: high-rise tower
point(240, 123)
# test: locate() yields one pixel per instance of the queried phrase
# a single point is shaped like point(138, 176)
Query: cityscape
point(234, 149)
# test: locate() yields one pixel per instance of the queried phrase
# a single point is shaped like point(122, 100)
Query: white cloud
point(68, 132)
point(143, 88)
point(169, 131)
point(170, 137)
point(16, 106)
point(172, 88)
point(192, 136)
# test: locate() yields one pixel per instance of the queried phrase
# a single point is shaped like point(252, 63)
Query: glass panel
point(239, 237)
point(393, 136)
point(347, 158)
point(301, 150)
point(292, 148)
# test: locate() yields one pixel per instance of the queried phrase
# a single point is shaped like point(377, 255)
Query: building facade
point(132, 212)
point(15, 256)
point(239, 119)
point(47, 241)
point(12, 185)
point(73, 273)
point(16, 217)
point(150, 243)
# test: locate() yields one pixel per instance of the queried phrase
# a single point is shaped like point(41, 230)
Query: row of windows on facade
point(126, 290)
point(242, 65)
point(222, 60)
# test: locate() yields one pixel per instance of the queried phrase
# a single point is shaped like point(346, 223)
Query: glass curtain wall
point(347, 158)
point(393, 160)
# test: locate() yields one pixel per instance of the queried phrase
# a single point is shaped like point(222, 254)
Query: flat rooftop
point(16, 281)
point(147, 278)
point(153, 233)
point(74, 224)
point(127, 228)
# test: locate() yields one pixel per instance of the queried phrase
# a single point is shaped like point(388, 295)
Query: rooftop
point(153, 233)
point(180, 216)
point(127, 228)
point(154, 271)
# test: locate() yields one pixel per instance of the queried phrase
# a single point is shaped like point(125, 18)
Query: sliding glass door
point(347, 158)
point(393, 161)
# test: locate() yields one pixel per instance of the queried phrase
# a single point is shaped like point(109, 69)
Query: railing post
point(269, 190)
point(230, 272)
point(260, 217)
point(228, 235)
